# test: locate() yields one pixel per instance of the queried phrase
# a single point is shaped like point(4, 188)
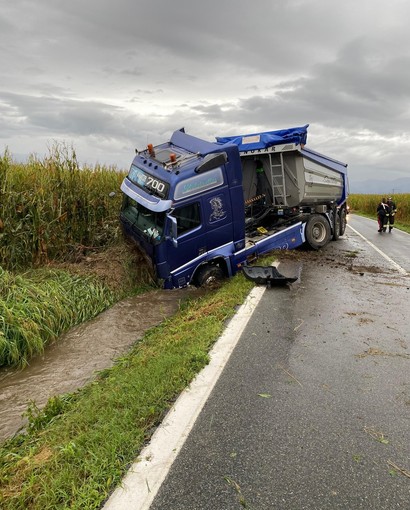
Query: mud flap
point(266, 275)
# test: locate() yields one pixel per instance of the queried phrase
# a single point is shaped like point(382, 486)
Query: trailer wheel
point(209, 276)
point(337, 225)
point(317, 231)
point(343, 221)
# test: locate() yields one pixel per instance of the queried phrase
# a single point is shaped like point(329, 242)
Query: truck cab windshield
point(147, 222)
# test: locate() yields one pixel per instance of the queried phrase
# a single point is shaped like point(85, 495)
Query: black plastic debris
point(266, 275)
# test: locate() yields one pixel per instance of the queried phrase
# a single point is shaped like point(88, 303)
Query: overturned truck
point(201, 210)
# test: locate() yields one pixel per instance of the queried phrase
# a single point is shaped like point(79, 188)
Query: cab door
point(183, 253)
point(218, 219)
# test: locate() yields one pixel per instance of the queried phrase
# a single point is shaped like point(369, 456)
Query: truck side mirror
point(212, 161)
point(174, 230)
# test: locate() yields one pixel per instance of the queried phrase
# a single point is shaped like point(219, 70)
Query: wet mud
point(72, 361)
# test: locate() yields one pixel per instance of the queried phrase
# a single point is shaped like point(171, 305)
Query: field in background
point(367, 204)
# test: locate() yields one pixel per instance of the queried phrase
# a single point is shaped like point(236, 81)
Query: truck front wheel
point(317, 231)
point(209, 276)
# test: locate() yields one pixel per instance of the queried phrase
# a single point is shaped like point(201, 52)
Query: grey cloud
point(135, 71)
point(110, 75)
point(60, 116)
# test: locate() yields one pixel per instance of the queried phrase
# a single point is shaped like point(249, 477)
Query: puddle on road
point(73, 360)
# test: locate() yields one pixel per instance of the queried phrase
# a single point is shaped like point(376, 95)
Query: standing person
point(382, 215)
point(393, 210)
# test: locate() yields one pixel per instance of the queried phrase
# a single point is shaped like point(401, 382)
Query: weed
point(376, 435)
point(238, 491)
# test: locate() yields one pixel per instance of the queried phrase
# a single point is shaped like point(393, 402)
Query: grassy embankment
point(366, 205)
point(52, 216)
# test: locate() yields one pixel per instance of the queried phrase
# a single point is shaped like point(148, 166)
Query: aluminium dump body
point(312, 178)
point(297, 175)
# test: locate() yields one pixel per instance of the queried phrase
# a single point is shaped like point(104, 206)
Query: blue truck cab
point(201, 210)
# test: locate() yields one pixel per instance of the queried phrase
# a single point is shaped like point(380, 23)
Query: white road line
point(400, 269)
point(143, 480)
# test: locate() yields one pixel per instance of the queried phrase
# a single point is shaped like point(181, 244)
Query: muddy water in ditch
point(73, 360)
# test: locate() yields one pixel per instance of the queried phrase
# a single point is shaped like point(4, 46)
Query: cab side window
point(188, 217)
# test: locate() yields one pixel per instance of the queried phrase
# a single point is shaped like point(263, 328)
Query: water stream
point(73, 359)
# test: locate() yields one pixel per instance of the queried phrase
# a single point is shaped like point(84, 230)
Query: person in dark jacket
point(383, 211)
point(393, 210)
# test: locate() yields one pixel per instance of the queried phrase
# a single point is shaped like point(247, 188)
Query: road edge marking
point(143, 480)
point(400, 269)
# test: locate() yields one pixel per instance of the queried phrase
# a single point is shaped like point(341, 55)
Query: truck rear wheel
point(336, 225)
point(343, 221)
point(317, 231)
point(209, 276)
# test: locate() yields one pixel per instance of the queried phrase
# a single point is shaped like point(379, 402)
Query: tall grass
point(52, 208)
point(36, 308)
point(367, 204)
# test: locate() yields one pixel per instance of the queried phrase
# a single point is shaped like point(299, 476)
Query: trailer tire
point(209, 276)
point(337, 225)
point(343, 220)
point(317, 231)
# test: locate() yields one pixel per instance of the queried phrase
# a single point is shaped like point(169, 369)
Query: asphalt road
point(312, 409)
point(396, 244)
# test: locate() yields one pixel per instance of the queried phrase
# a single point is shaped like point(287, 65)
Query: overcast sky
point(110, 76)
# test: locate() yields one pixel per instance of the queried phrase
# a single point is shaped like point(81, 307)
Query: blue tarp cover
point(255, 141)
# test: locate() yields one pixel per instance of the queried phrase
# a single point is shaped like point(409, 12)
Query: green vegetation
point(51, 209)
point(55, 216)
point(79, 447)
point(38, 305)
point(36, 309)
point(366, 205)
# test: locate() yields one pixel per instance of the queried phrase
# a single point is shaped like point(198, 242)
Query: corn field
point(51, 208)
point(367, 204)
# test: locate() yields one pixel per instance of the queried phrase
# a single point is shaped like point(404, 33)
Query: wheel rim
point(318, 232)
point(210, 280)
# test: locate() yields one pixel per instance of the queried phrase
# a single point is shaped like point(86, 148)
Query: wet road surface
point(74, 358)
point(312, 410)
point(396, 245)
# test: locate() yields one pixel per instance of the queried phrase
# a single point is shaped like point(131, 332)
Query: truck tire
point(336, 225)
point(209, 276)
point(317, 231)
point(343, 220)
